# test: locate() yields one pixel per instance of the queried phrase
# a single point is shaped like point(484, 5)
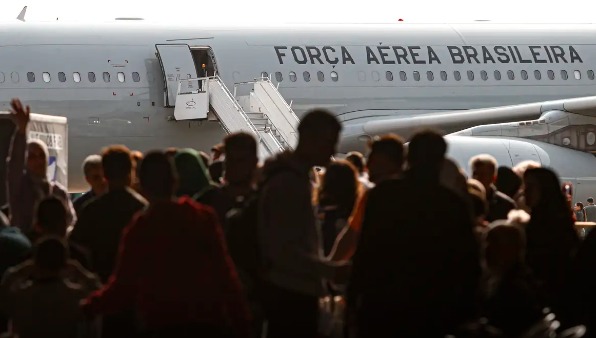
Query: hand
point(20, 114)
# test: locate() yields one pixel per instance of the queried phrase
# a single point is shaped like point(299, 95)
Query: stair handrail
point(243, 114)
point(268, 80)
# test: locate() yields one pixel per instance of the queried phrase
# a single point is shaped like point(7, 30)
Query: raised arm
point(16, 157)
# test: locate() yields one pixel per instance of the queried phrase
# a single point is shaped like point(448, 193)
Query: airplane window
point(91, 76)
point(306, 76)
point(443, 75)
point(510, 75)
point(334, 76)
point(564, 75)
point(293, 77)
point(403, 76)
point(457, 75)
point(2, 77)
point(278, 77)
point(591, 74)
point(497, 75)
point(46, 77)
point(430, 76)
point(264, 75)
point(121, 77)
point(76, 76)
point(577, 75)
point(106, 77)
point(537, 75)
point(416, 76)
point(470, 75)
point(61, 77)
point(389, 76)
point(375, 76)
point(484, 75)
point(320, 76)
point(136, 77)
point(31, 77)
point(14, 76)
point(524, 75)
point(551, 74)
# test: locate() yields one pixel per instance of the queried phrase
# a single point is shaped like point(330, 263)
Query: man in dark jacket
point(484, 169)
point(416, 267)
point(102, 220)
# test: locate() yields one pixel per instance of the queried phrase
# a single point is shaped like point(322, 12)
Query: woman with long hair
point(552, 241)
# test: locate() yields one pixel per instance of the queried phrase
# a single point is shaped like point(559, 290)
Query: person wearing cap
point(590, 210)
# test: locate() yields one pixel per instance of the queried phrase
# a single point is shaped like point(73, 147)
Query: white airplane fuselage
point(359, 72)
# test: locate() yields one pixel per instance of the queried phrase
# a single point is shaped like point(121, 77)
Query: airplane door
point(176, 64)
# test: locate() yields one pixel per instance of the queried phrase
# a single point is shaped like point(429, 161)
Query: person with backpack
point(27, 177)
point(292, 269)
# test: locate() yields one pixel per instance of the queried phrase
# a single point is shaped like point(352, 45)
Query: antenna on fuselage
point(21, 16)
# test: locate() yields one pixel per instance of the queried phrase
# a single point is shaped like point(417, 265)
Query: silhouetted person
point(512, 298)
point(93, 171)
point(27, 174)
point(386, 161)
point(173, 266)
point(590, 210)
point(44, 301)
point(551, 237)
point(101, 223)
point(14, 248)
point(508, 182)
point(580, 212)
point(288, 232)
point(386, 158)
point(484, 169)
point(194, 179)
point(416, 268)
point(337, 197)
point(50, 220)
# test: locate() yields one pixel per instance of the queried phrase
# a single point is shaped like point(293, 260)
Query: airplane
point(108, 80)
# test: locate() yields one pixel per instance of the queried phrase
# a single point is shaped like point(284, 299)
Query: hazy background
point(304, 11)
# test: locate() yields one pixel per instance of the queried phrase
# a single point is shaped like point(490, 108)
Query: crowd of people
point(177, 243)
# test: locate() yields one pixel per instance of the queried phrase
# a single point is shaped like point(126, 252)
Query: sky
point(305, 11)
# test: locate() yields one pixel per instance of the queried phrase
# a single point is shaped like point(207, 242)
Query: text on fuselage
point(390, 55)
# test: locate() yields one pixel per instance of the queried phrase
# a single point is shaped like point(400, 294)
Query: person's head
point(520, 168)
point(475, 185)
point(50, 255)
point(93, 170)
point(157, 176)
point(191, 171)
point(591, 200)
point(507, 181)
point(339, 186)
point(51, 217)
point(386, 158)
point(318, 135)
point(241, 158)
point(37, 158)
point(451, 177)
point(357, 160)
point(504, 247)
point(579, 206)
point(479, 206)
point(543, 189)
point(426, 152)
point(217, 151)
point(484, 169)
point(117, 166)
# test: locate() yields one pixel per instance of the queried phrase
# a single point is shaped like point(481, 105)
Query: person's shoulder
point(18, 271)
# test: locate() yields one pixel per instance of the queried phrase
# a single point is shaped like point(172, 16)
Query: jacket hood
point(193, 174)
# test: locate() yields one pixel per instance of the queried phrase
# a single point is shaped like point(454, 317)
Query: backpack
point(242, 235)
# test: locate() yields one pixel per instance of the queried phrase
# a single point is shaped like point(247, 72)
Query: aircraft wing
point(498, 120)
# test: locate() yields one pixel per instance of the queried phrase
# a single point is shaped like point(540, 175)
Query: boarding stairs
point(263, 113)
